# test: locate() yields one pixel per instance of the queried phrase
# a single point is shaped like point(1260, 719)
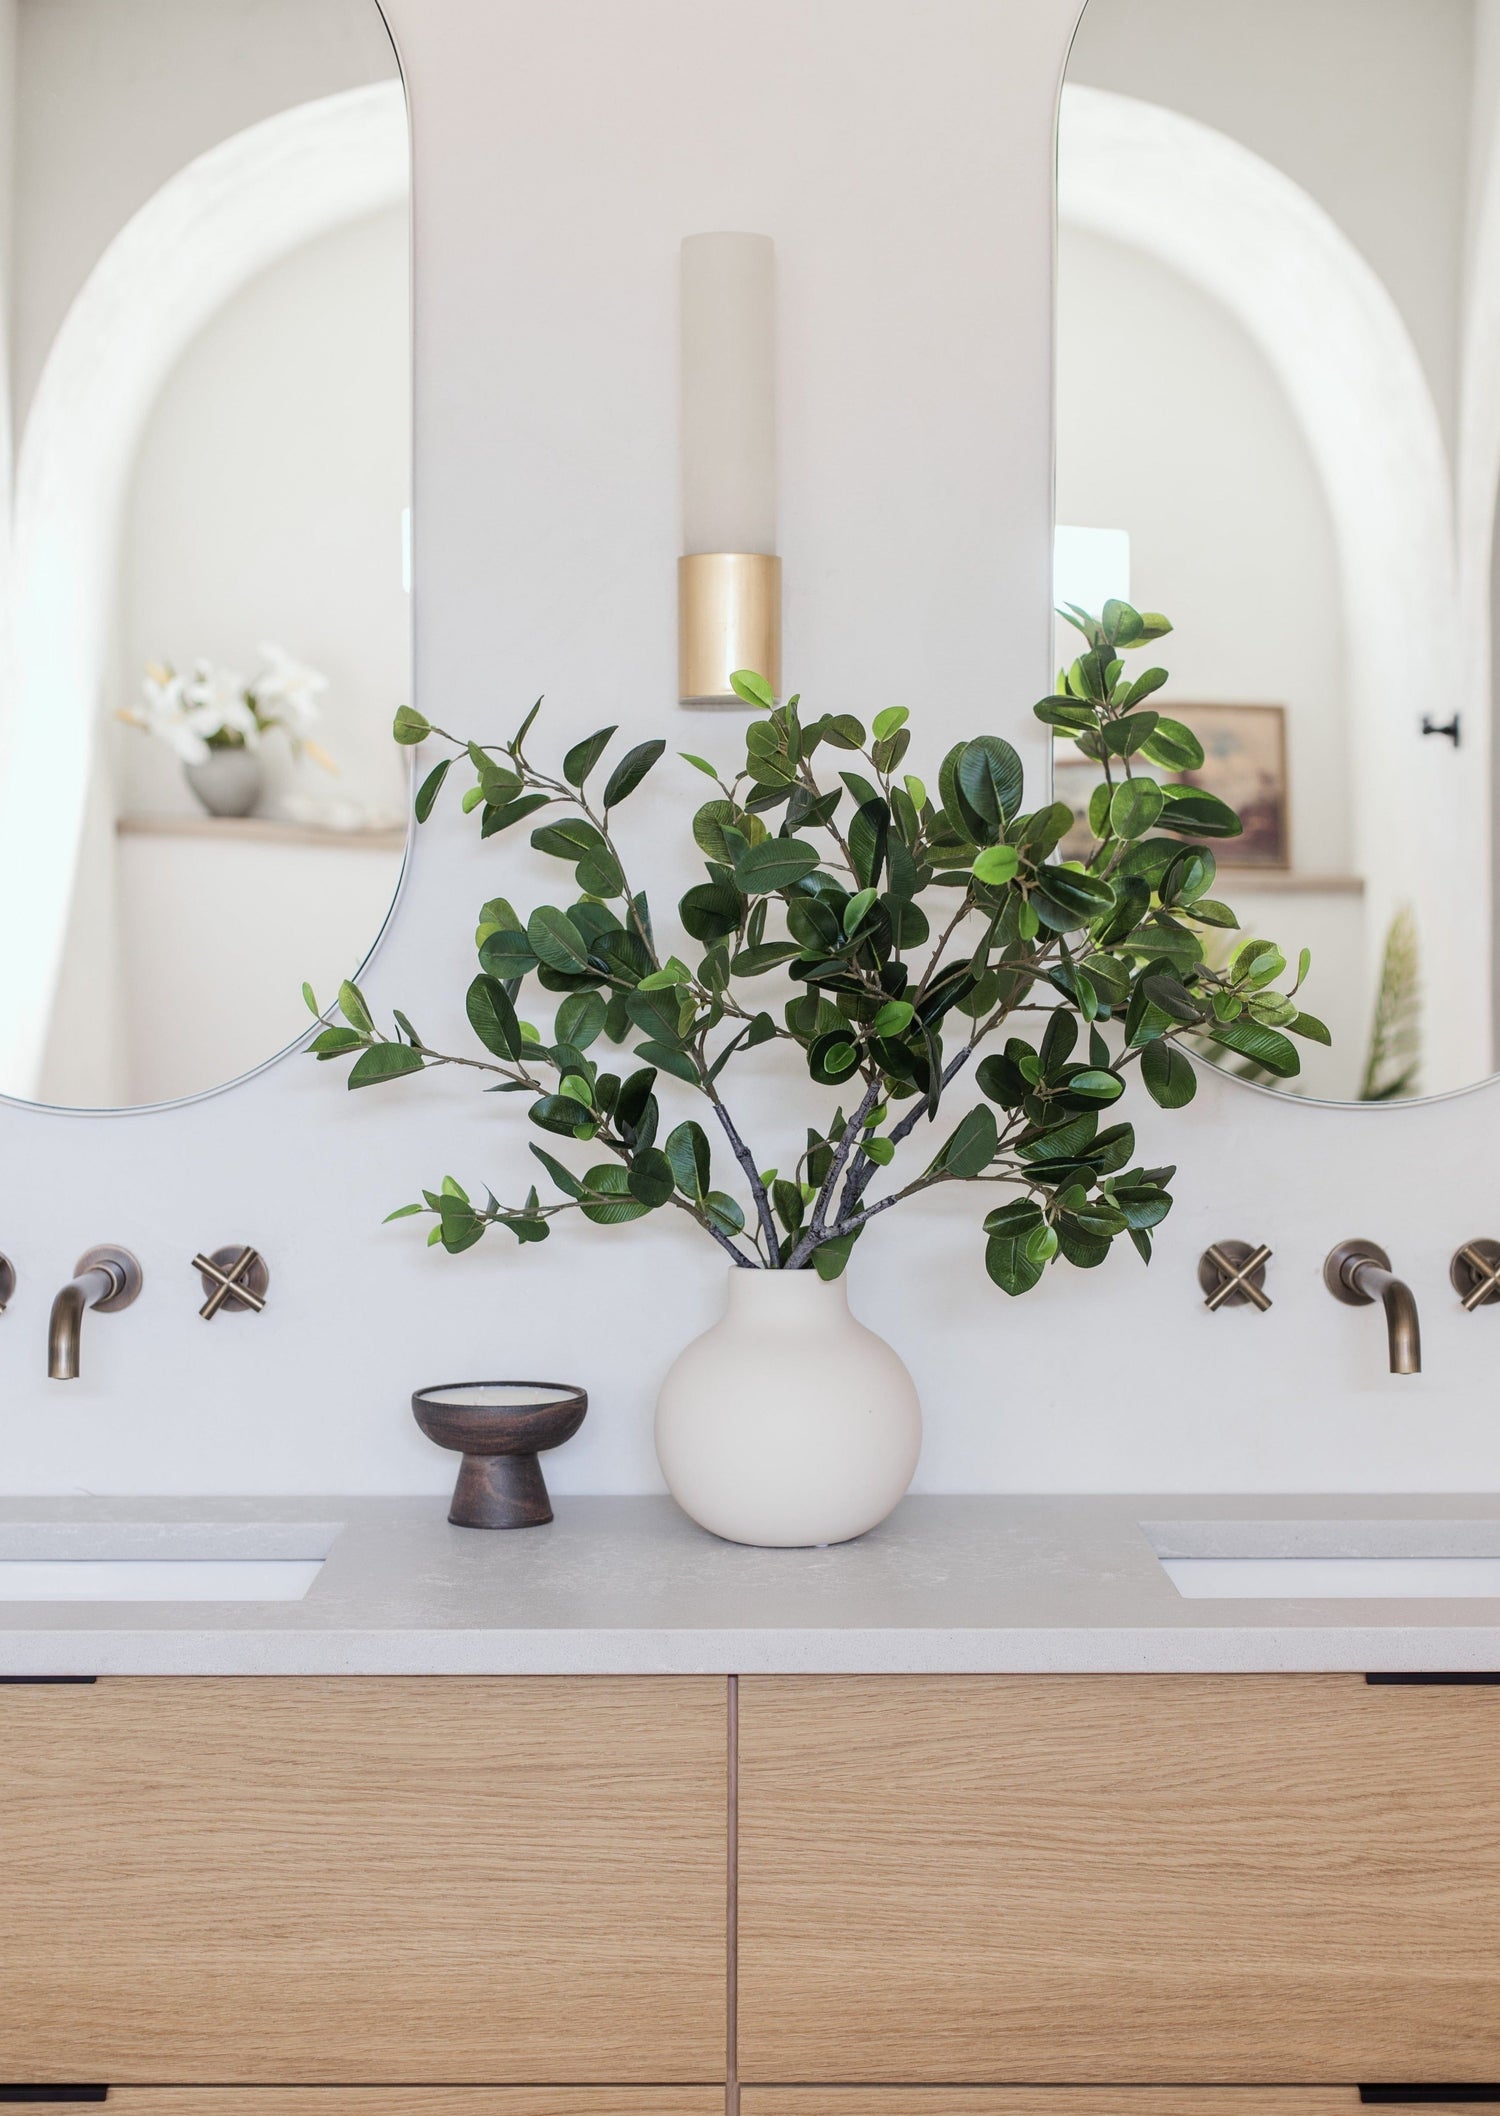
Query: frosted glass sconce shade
point(729, 582)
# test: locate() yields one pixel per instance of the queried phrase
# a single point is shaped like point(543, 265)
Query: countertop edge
point(33, 1656)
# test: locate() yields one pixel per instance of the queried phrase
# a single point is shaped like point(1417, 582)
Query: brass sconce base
point(728, 618)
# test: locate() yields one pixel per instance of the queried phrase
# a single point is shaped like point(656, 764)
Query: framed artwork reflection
point(1244, 763)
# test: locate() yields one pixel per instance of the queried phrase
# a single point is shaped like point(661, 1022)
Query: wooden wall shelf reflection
point(259, 830)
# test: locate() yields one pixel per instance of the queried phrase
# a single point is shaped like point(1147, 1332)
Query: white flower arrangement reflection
point(216, 709)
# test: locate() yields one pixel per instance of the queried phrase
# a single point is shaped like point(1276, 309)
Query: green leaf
point(410, 726)
point(1011, 1264)
point(430, 788)
point(583, 756)
point(673, 972)
point(990, 779)
point(384, 1061)
point(1065, 898)
point(1308, 1025)
point(752, 689)
point(608, 1200)
point(894, 1018)
point(1168, 1075)
point(885, 724)
point(774, 864)
point(869, 840)
point(830, 1259)
point(352, 1007)
point(712, 911)
point(843, 731)
point(1257, 963)
point(1135, 807)
point(560, 1113)
point(698, 763)
point(631, 769)
point(570, 839)
point(754, 962)
point(1143, 687)
point(997, 865)
point(1123, 737)
point(1096, 1084)
point(311, 1003)
point(1265, 1047)
point(669, 1060)
point(833, 1058)
point(402, 1212)
point(724, 1212)
point(1173, 746)
point(1020, 1216)
point(791, 1206)
point(1197, 814)
point(1059, 1041)
point(336, 1043)
point(563, 1177)
point(688, 1154)
point(973, 1145)
point(495, 819)
point(857, 910)
point(600, 875)
point(556, 941)
point(526, 726)
point(1208, 912)
point(492, 1017)
point(580, 1019)
point(1172, 996)
point(651, 1177)
point(507, 954)
point(458, 1231)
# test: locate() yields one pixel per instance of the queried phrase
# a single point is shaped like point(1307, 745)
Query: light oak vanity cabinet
point(398, 2101)
point(342, 1880)
point(872, 1896)
point(1076, 1878)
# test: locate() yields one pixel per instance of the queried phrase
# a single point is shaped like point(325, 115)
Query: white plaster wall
point(1170, 424)
point(120, 94)
point(216, 937)
point(266, 504)
point(1362, 102)
point(902, 156)
point(8, 17)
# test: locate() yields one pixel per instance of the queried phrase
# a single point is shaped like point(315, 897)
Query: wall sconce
point(729, 582)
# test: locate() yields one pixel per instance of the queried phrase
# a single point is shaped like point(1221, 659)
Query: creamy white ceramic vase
point(788, 1422)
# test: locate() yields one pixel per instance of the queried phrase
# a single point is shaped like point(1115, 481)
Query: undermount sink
point(1329, 1560)
point(161, 1562)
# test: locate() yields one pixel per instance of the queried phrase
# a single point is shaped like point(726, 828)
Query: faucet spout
point(106, 1279)
point(1359, 1273)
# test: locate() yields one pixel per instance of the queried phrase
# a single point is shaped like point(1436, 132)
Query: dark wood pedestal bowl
point(500, 1427)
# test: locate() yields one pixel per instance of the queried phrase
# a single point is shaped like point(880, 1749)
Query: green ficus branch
point(813, 924)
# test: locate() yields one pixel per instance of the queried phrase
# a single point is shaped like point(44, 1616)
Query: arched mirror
point(205, 460)
point(1278, 420)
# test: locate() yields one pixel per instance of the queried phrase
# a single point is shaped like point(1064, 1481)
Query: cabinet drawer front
point(397, 2101)
point(1055, 2101)
point(1078, 1878)
point(346, 1881)
point(1075, 2101)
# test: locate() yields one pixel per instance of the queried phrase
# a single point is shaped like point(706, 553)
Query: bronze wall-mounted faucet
point(107, 1279)
point(1359, 1273)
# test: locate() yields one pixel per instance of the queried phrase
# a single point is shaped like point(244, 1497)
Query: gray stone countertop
point(1057, 1585)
